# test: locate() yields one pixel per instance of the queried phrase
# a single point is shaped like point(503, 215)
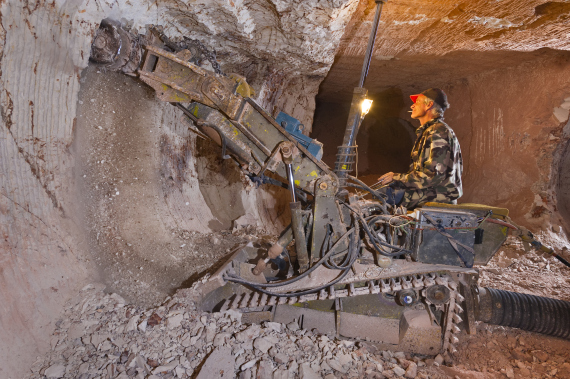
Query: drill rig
point(360, 268)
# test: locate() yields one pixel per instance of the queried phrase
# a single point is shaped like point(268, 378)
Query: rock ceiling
point(436, 41)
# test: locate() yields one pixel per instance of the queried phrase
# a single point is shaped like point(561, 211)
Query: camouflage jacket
point(436, 167)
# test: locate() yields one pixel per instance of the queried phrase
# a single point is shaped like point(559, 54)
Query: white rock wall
point(39, 257)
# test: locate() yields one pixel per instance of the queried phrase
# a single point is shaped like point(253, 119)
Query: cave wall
point(511, 134)
point(41, 261)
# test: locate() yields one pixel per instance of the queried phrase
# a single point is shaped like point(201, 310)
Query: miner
point(436, 162)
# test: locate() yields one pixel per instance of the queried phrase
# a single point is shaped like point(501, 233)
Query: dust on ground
point(501, 352)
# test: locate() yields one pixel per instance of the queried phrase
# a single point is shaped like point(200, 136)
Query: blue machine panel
point(294, 127)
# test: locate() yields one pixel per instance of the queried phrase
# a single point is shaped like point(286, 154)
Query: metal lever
point(296, 210)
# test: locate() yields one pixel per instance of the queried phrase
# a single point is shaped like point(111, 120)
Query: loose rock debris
point(100, 336)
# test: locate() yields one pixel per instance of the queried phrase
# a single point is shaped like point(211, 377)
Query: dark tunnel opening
point(385, 137)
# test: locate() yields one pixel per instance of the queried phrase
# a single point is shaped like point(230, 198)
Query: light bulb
point(365, 106)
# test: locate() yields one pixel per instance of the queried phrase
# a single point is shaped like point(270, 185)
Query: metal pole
point(347, 151)
point(371, 42)
point(291, 182)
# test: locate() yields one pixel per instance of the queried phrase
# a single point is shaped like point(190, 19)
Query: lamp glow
point(365, 106)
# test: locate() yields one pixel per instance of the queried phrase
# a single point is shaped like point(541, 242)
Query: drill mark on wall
point(7, 120)
point(32, 116)
point(174, 162)
point(490, 142)
point(27, 209)
point(498, 132)
point(36, 172)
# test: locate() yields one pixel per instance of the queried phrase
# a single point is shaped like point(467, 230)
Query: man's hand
point(387, 178)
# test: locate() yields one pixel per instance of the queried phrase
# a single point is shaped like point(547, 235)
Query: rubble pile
point(499, 352)
point(532, 272)
point(100, 336)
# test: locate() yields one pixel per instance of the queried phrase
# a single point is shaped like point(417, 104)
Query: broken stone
point(398, 371)
point(540, 355)
point(306, 372)
point(281, 358)
point(220, 364)
point(510, 372)
point(412, 370)
point(249, 364)
point(132, 324)
point(154, 320)
point(439, 359)
point(221, 338)
point(306, 342)
point(248, 334)
point(163, 369)
point(214, 240)
point(175, 320)
point(336, 366)
point(55, 371)
point(344, 359)
point(262, 344)
point(293, 326)
point(273, 326)
point(265, 369)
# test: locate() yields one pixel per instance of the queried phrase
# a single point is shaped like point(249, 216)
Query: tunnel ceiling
point(424, 43)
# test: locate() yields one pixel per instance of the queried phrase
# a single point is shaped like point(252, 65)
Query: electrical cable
point(354, 247)
point(257, 286)
point(294, 294)
point(374, 240)
point(293, 280)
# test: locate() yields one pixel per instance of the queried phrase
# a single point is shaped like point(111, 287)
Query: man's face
point(420, 108)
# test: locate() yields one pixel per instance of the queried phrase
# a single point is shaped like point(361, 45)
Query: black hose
point(375, 242)
point(528, 312)
point(294, 294)
point(367, 188)
point(292, 280)
point(562, 260)
point(257, 286)
point(353, 248)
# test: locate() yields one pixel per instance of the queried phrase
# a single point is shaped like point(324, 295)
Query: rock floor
point(101, 336)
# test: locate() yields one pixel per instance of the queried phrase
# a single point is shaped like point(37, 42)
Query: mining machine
point(358, 268)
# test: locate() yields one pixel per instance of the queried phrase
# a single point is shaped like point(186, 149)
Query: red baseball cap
point(435, 94)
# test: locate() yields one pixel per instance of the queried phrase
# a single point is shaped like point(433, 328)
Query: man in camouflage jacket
point(436, 162)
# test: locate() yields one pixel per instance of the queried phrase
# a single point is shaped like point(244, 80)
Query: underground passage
point(285, 189)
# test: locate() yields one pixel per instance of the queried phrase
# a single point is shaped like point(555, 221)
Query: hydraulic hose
point(258, 286)
point(523, 311)
point(361, 185)
point(375, 242)
point(293, 280)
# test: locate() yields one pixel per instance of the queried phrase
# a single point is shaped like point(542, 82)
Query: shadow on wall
point(385, 138)
point(220, 184)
